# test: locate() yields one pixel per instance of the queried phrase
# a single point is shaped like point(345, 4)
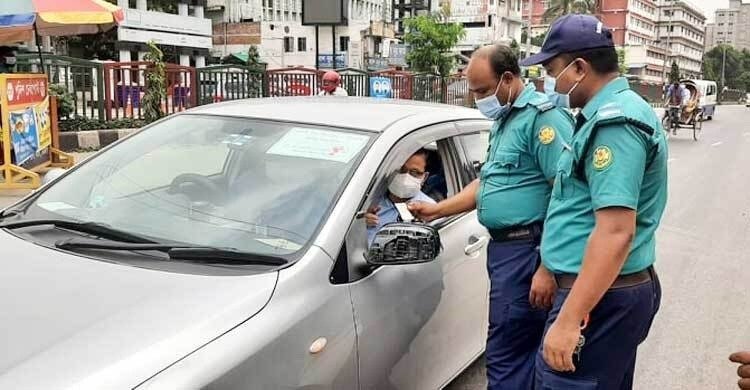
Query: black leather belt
point(517, 233)
point(566, 280)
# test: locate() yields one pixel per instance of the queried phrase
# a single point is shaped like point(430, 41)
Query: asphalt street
point(703, 263)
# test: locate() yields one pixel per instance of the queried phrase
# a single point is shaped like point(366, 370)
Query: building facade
point(682, 28)
point(710, 41)
point(732, 26)
point(275, 27)
point(643, 29)
point(486, 22)
point(187, 31)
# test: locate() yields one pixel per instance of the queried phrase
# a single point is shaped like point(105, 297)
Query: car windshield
point(253, 186)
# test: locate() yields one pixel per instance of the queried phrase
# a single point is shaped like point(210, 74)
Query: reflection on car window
point(254, 186)
point(476, 148)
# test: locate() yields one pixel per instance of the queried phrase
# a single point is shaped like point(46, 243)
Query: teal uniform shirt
point(521, 161)
point(614, 161)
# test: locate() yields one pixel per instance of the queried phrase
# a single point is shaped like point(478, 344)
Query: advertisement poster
point(29, 122)
point(43, 126)
point(23, 134)
point(380, 87)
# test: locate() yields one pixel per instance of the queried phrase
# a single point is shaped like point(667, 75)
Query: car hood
point(74, 322)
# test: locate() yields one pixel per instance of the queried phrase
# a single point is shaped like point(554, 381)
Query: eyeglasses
point(414, 173)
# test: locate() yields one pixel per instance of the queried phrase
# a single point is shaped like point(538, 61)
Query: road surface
point(703, 262)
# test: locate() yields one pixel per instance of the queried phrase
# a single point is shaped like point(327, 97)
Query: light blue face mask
point(550, 89)
point(490, 106)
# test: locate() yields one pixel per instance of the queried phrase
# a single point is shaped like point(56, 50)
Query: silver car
point(225, 248)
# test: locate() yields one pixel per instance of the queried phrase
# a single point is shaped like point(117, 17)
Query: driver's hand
point(371, 217)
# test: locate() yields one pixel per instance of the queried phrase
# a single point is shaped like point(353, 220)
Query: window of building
point(288, 44)
point(301, 44)
point(344, 44)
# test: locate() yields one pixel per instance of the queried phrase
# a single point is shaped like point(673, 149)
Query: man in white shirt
point(332, 85)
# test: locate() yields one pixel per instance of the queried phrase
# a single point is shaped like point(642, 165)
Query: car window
point(475, 147)
point(254, 186)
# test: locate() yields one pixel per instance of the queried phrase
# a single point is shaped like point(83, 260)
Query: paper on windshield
point(280, 243)
point(56, 206)
point(319, 144)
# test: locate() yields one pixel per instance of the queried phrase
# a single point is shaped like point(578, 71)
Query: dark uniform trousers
point(617, 325)
point(515, 328)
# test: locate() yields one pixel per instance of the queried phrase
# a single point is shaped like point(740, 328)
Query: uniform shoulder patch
point(602, 158)
point(546, 135)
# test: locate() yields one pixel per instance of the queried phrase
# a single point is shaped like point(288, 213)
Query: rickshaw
point(687, 116)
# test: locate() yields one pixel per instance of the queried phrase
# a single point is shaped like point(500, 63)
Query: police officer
point(607, 201)
point(511, 197)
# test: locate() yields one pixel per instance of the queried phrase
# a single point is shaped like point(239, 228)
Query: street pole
point(724, 60)
point(669, 47)
point(528, 29)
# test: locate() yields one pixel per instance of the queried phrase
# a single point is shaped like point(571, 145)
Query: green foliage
point(559, 8)
point(430, 42)
point(82, 124)
point(156, 84)
point(622, 62)
point(737, 64)
point(65, 102)
point(674, 73)
point(515, 48)
point(536, 40)
point(253, 59)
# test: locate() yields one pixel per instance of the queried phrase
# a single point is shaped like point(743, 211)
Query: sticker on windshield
point(280, 243)
point(319, 144)
point(56, 206)
point(237, 140)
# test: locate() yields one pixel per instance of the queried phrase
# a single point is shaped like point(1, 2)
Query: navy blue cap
point(572, 33)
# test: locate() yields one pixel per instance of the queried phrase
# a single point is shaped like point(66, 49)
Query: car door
point(418, 326)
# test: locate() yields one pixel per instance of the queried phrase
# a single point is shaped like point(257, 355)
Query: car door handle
point(477, 244)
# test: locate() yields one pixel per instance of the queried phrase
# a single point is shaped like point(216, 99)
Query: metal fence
point(229, 82)
point(81, 78)
point(732, 96)
point(126, 84)
point(113, 90)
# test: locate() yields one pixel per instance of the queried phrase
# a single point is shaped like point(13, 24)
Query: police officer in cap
point(511, 198)
point(608, 198)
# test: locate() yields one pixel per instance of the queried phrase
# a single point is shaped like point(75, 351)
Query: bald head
point(489, 68)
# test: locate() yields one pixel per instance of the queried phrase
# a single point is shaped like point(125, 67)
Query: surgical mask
point(405, 186)
point(490, 106)
point(10, 61)
point(550, 88)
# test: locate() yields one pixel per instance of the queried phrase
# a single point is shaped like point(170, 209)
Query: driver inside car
point(404, 186)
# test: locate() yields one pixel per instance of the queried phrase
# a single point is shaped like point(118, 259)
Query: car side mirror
point(404, 243)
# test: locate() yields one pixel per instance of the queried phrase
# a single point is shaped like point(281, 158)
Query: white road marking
point(716, 143)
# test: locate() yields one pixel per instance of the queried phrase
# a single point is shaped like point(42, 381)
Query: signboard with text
point(28, 134)
point(325, 61)
point(27, 117)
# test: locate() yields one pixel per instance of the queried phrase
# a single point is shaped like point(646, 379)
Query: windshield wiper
point(97, 229)
point(202, 254)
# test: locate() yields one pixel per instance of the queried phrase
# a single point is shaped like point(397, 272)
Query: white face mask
point(405, 186)
point(10, 61)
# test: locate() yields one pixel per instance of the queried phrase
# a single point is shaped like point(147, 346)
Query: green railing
point(83, 79)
